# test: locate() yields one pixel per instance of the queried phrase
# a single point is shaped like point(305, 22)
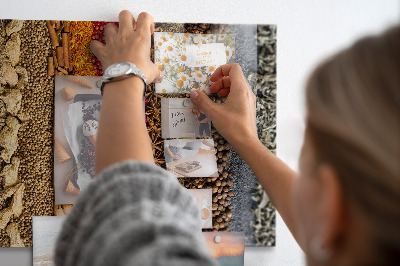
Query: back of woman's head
point(353, 104)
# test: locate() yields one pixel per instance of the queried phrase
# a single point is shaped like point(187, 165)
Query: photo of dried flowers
point(191, 157)
point(181, 119)
point(77, 110)
point(226, 247)
point(204, 199)
point(187, 60)
point(45, 232)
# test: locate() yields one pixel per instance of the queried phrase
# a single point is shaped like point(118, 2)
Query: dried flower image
point(187, 60)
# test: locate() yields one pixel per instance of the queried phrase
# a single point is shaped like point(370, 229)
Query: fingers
point(225, 82)
point(201, 100)
point(145, 24)
point(234, 71)
point(97, 49)
point(223, 92)
point(126, 22)
point(110, 32)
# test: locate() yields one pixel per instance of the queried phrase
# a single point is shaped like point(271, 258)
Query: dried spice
point(98, 34)
point(264, 222)
point(58, 63)
point(35, 195)
point(81, 61)
point(265, 88)
point(12, 49)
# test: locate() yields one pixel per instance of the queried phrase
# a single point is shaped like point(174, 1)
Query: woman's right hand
point(235, 119)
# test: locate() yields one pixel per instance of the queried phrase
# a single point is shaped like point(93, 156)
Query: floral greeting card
point(188, 60)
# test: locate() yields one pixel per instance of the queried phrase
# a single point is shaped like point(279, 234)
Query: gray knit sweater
point(134, 213)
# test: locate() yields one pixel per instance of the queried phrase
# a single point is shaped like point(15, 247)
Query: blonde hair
point(353, 120)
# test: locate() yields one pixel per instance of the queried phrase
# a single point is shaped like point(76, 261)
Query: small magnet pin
point(98, 83)
point(187, 102)
point(196, 39)
point(217, 239)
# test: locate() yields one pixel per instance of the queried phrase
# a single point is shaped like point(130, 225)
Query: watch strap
point(133, 71)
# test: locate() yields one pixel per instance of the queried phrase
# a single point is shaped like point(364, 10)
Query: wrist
point(243, 142)
point(133, 85)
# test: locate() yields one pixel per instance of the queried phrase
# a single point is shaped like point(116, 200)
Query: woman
point(201, 117)
point(343, 208)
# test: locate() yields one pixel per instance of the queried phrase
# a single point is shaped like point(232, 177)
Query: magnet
point(187, 102)
point(196, 39)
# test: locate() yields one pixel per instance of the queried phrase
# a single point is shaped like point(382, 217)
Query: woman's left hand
point(129, 43)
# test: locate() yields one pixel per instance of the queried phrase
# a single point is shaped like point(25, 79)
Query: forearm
point(122, 131)
point(168, 150)
point(274, 175)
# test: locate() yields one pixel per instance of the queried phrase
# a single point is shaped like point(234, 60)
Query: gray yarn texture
point(134, 213)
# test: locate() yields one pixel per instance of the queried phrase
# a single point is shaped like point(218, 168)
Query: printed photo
point(77, 111)
point(62, 210)
point(226, 247)
point(204, 198)
point(188, 60)
point(191, 157)
point(45, 232)
point(180, 118)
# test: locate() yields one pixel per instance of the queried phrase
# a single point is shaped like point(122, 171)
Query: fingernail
point(160, 77)
point(193, 94)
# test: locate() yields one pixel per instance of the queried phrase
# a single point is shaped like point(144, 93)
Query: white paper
point(210, 54)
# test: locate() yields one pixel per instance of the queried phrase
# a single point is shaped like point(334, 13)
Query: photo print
point(204, 199)
point(226, 247)
point(45, 233)
point(188, 60)
point(180, 118)
point(62, 210)
point(191, 157)
point(77, 111)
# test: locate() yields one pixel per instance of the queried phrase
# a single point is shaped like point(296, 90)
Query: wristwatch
point(120, 71)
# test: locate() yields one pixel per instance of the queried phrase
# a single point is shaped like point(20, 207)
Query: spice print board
point(49, 49)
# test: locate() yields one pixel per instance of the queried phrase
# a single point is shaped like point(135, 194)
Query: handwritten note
point(205, 55)
point(177, 118)
point(181, 121)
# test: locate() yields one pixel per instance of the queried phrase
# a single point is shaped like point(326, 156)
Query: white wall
point(307, 32)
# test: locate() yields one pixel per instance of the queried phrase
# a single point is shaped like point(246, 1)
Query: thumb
point(157, 76)
point(203, 102)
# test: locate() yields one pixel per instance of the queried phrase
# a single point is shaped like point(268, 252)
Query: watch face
point(118, 69)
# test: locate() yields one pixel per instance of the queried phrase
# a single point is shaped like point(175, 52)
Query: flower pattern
point(170, 57)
